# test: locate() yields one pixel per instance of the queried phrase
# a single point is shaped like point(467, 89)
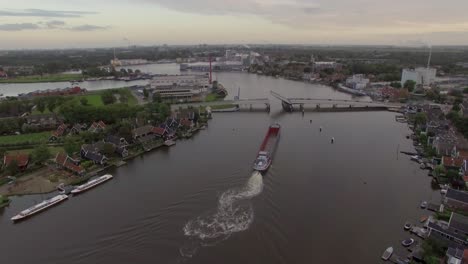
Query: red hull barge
point(267, 149)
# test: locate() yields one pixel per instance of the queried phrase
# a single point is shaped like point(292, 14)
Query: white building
point(357, 81)
point(197, 80)
point(421, 75)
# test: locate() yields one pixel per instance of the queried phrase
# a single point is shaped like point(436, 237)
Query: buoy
point(332, 140)
point(311, 121)
point(320, 129)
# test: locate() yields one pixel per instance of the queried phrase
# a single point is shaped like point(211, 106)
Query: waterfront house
point(64, 161)
point(142, 131)
point(116, 141)
point(92, 152)
point(451, 163)
point(186, 123)
point(120, 145)
point(97, 127)
point(22, 160)
point(160, 132)
point(444, 145)
point(456, 199)
point(455, 231)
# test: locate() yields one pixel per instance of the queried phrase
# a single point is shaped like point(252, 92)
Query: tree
point(420, 118)
point(410, 85)
point(125, 131)
point(72, 145)
point(84, 101)
point(108, 149)
point(465, 91)
point(107, 98)
point(40, 105)
point(145, 93)
point(12, 168)
point(51, 105)
point(395, 84)
point(40, 154)
point(456, 107)
point(157, 97)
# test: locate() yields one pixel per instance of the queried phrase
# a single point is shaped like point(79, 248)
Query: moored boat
point(91, 184)
point(39, 207)
point(169, 142)
point(387, 253)
point(267, 149)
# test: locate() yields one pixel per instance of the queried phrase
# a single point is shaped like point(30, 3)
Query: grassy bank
point(224, 106)
point(44, 78)
point(25, 138)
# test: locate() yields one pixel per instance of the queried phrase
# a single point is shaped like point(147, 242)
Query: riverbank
point(45, 78)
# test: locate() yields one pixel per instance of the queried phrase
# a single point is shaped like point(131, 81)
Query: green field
point(53, 150)
point(44, 78)
point(32, 138)
point(94, 99)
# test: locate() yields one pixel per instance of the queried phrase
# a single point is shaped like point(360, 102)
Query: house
point(160, 131)
point(77, 129)
point(22, 161)
point(66, 162)
point(456, 199)
point(92, 152)
point(97, 127)
point(142, 132)
point(120, 145)
point(455, 231)
point(58, 132)
point(452, 163)
point(454, 255)
point(43, 121)
point(3, 75)
point(444, 145)
point(186, 123)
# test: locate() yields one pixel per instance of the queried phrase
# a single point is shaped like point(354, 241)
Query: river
point(200, 202)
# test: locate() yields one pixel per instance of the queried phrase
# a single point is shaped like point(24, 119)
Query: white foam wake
point(233, 214)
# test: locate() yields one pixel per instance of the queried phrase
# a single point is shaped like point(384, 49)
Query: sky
point(30, 24)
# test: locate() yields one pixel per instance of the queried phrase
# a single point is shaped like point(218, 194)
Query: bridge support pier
point(317, 106)
point(287, 107)
point(250, 108)
point(301, 107)
point(268, 108)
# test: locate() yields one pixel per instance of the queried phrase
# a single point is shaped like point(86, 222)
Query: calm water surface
point(200, 202)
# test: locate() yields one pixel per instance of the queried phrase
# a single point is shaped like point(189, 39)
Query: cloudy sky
point(91, 23)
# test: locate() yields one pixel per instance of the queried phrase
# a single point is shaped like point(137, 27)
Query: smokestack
point(211, 72)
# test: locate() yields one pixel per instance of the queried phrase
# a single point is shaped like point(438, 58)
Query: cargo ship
point(39, 207)
point(267, 149)
point(91, 184)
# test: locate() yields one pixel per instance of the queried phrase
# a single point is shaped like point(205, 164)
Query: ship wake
point(234, 214)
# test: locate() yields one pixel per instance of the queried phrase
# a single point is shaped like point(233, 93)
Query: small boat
point(65, 189)
point(423, 219)
point(443, 191)
point(415, 158)
point(387, 253)
point(40, 207)
point(423, 204)
point(423, 166)
point(91, 184)
point(408, 242)
point(169, 142)
point(407, 226)
point(267, 149)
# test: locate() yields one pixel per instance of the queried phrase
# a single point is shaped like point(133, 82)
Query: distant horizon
point(90, 24)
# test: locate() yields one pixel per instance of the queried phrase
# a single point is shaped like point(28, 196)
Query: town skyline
point(88, 24)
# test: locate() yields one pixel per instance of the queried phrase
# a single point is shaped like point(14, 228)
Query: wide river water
point(200, 202)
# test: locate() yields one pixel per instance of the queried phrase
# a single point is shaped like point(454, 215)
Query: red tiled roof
point(465, 255)
point(463, 154)
point(21, 159)
point(159, 130)
point(452, 162)
point(185, 122)
point(65, 161)
point(61, 158)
